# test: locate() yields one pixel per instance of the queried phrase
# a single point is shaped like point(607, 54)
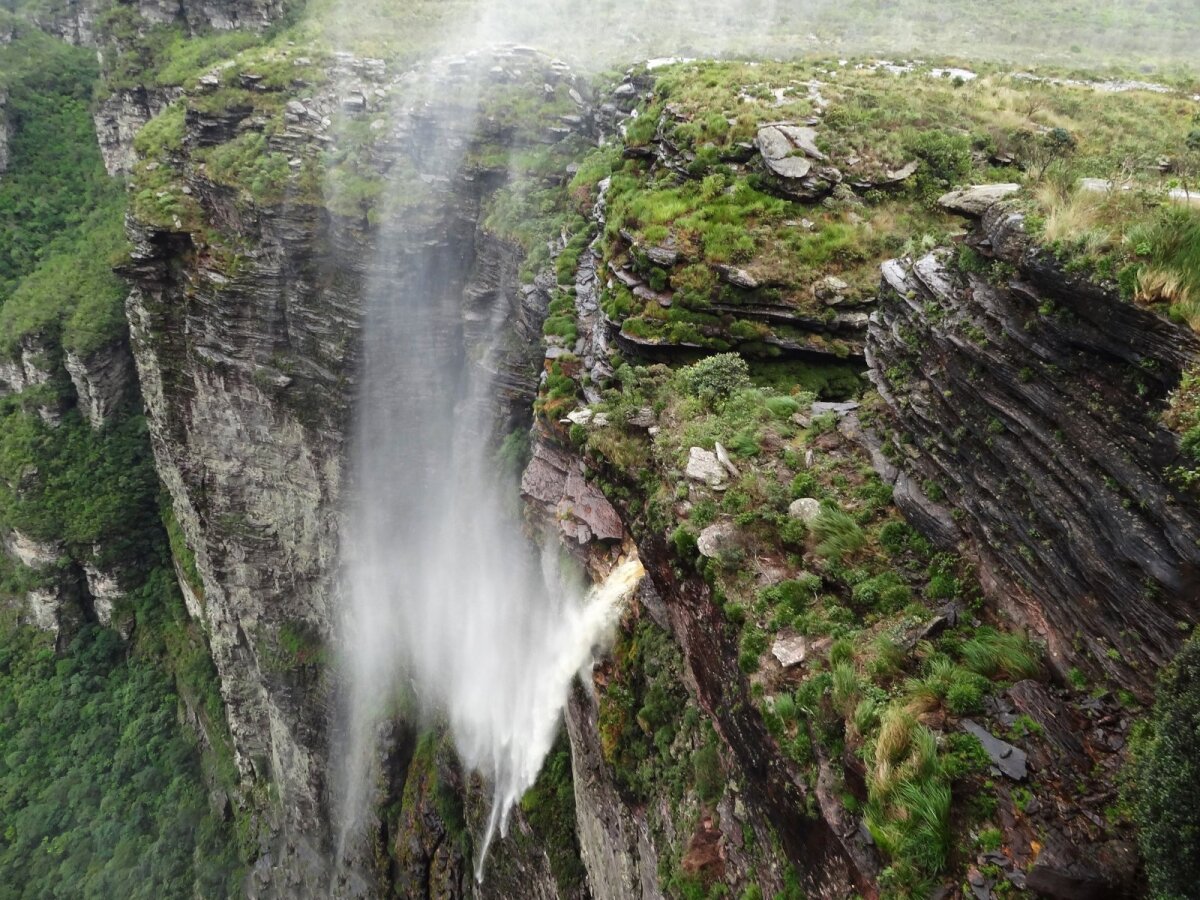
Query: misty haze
point(619, 451)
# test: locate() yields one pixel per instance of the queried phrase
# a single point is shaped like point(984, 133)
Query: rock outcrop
point(54, 599)
point(1030, 404)
point(37, 363)
point(3, 131)
point(78, 21)
point(103, 380)
point(120, 117)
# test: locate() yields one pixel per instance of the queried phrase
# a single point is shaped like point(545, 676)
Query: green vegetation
point(60, 216)
point(549, 806)
point(1166, 780)
point(99, 789)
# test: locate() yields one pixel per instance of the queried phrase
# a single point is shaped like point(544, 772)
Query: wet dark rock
point(1008, 759)
point(1065, 872)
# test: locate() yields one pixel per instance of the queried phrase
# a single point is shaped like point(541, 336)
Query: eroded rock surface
point(1031, 404)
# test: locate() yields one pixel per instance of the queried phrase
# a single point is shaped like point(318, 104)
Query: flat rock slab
point(703, 466)
point(1008, 759)
point(974, 201)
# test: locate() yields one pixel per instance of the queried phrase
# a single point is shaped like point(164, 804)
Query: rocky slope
point(1026, 400)
point(734, 740)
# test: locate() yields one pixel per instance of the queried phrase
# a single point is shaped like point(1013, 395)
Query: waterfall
point(447, 601)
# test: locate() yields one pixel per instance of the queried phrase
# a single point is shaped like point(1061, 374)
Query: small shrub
point(792, 533)
point(716, 378)
point(805, 485)
point(1166, 781)
point(885, 592)
point(685, 544)
point(782, 407)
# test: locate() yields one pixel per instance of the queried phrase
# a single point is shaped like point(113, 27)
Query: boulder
point(717, 539)
point(703, 466)
point(806, 509)
point(793, 649)
point(974, 201)
point(790, 649)
point(831, 290)
point(778, 149)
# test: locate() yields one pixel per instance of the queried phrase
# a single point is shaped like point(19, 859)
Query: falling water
point(447, 598)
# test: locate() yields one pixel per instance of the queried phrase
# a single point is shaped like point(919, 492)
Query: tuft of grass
point(995, 654)
point(840, 536)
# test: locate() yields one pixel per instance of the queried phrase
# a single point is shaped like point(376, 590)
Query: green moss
point(549, 806)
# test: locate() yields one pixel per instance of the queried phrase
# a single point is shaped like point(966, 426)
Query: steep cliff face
point(260, 519)
point(121, 116)
point(244, 321)
point(1027, 400)
point(80, 22)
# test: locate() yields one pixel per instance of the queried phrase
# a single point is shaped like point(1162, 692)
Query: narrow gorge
point(469, 450)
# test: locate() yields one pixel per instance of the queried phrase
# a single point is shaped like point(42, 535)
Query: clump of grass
point(840, 536)
point(846, 690)
point(1170, 246)
point(908, 808)
point(994, 654)
point(948, 684)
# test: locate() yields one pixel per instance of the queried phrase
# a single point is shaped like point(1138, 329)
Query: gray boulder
point(974, 201)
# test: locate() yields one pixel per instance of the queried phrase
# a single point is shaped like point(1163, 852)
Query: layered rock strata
point(1027, 400)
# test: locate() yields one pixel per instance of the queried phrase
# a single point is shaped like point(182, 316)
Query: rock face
point(614, 838)
point(75, 21)
point(102, 379)
point(120, 117)
point(252, 463)
point(37, 363)
point(1032, 404)
point(54, 600)
point(555, 480)
point(3, 132)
